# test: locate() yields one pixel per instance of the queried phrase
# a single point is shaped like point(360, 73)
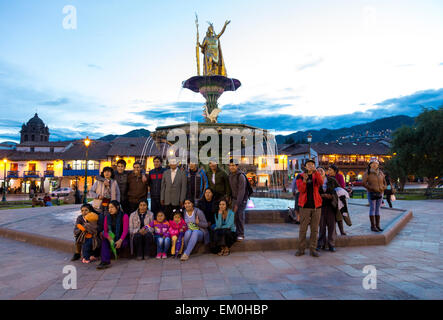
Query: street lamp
point(4, 180)
point(87, 142)
point(309, 141)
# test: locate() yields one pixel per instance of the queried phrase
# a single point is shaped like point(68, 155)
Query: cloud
point(133, 124)
point(69, 134)
point(310, 64)
point(10, 123)
point(94, 66)
point(412, 103)
point(57, 102)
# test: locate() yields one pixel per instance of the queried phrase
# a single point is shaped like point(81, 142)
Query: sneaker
point(332, 249)
point(104, 265)
point(315, 254)
point(299, 253)
point(240, 238)
point(184, 257)
point(75, 257)
point(159, 256)
point(164, 256)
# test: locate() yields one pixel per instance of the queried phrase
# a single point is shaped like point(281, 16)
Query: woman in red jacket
point(308, 184)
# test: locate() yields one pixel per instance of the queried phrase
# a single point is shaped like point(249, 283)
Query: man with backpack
point(240, 192)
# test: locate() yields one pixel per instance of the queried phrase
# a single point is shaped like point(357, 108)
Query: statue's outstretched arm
point(224, 28)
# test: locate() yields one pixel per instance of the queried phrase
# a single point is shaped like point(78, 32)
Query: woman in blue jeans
point(374, 181)
point(197, 228)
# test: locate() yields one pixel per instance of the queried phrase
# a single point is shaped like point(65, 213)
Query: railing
point(71, 172)
point(344, 163)
point(31, 174)
point(13, 174)
point(49, 173)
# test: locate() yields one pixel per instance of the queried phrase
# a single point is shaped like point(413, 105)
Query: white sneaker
point(240, 238)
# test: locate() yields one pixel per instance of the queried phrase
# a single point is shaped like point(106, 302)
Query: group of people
point(45, 202)
point(321, 203)
point(188, 207)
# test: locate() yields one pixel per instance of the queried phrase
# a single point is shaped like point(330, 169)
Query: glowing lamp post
point(5, 161)
point(309, 141)
point(87, 142)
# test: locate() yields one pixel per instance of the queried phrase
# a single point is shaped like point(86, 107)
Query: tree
point(403, 161)
point(418, 149)
point(429, 125)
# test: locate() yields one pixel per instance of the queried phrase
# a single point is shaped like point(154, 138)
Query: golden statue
point(213, 63)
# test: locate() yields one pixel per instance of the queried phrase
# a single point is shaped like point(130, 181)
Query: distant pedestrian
point(390, 190)
point(374, 181)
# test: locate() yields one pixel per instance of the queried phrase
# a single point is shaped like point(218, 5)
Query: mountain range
point(370, 131)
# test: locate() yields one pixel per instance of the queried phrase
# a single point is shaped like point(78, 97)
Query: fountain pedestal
point(211, 88)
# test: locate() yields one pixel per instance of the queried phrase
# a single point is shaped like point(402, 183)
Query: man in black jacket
point(155, 177)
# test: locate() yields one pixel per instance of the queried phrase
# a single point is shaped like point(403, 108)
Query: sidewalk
point(410, 267)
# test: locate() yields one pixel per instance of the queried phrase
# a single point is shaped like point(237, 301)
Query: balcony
point(81, 172)
point(345, 164)
point(49, 174)
point(31, 174)
point(13, 174)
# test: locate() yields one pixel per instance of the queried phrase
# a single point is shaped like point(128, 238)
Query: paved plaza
point(410, 267)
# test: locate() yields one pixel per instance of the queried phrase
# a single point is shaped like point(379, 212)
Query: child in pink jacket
point(177, 229)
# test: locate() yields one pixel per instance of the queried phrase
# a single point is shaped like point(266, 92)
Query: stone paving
point(410, 267)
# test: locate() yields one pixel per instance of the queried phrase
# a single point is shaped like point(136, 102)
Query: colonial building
point(43, 165)
point(35, 131)
point(352, 158)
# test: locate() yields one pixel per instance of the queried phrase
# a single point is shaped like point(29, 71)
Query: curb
point(382, 238)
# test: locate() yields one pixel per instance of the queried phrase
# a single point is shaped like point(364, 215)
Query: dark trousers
point(388, 198)
point(143, 244)
point(327, 222)
point(106, 250)
point(87, 248)
point(239, 219)
point(156, 206)
point(169, 208)
point(224, 237)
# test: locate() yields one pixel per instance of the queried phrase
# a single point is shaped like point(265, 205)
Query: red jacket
point(301, 186)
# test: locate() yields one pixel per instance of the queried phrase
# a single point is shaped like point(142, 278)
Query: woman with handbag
point(105, 190)
point(197, 228)
point(390, 191)
point(374, 181)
